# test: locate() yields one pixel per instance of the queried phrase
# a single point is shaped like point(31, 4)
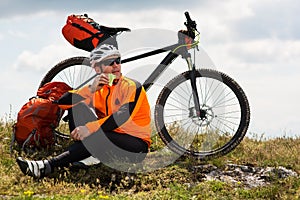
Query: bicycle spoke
point(201, 94)
point(223, 100)
point(207, 91)
point(174, 115)
point(213, 92)
point(231, 112)
point(66, 77)
point(225, 119)
point(187, 90)
point(180, 103)
point(227, 105)
point(224, 124)
point(75, 75)
point(218, 129)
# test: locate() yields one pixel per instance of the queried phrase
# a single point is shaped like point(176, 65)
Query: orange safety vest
point(122, 108)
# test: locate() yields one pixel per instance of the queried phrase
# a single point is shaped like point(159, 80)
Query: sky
point(256, 42)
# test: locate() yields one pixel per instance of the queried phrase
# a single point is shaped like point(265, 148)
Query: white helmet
point(102, 52)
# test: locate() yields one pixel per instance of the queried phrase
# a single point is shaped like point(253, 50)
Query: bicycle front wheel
point(223, 121)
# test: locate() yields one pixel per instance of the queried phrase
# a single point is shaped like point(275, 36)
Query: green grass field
point(176, 181)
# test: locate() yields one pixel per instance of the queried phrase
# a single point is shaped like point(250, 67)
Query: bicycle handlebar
point(187, 15)
point(190, 24)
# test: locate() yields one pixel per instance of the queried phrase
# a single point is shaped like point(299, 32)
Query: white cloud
point(17, 34)
point(152, 18)
point(44, 59)
point(260, 56)
point(270, 19)
point(31, 7)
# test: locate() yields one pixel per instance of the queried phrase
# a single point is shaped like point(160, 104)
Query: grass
point(176, 181)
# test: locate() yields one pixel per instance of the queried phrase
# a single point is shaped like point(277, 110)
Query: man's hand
point(99, 81)
point(80, 132)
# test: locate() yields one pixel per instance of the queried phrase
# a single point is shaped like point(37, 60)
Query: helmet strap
point(101, 69)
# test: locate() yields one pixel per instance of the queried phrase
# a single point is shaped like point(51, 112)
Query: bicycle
point(201, 113)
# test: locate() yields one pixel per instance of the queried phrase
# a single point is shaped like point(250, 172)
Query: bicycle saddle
point(113, 30)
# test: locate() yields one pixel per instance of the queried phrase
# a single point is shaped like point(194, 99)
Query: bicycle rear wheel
point(73, 71)
point(223, 121)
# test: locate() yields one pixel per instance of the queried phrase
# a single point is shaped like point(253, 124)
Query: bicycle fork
point(192, 74)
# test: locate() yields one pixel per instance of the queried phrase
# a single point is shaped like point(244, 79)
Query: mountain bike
point(201, 112)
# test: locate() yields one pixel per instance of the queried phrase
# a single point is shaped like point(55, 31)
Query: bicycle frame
point(164, 64)
point(160, 68)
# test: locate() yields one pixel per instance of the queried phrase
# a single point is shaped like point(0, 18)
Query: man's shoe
point(36, 169)
point(85, 163)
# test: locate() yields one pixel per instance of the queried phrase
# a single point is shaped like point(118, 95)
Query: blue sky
point(256, 42)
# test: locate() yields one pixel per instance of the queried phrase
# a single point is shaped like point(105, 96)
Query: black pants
point(106, 146)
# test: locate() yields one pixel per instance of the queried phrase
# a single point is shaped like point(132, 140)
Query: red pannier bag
point(38, 118)
point(83, 32)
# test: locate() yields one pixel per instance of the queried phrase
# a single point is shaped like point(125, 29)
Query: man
point(121, 129)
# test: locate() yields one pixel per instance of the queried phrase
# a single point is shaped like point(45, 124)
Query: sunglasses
point(109, 62)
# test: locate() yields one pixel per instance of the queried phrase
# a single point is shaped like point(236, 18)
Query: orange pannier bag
point(38, 118)
point(83, 32)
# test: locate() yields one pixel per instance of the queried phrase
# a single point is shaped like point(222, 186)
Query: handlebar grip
point(187, 15)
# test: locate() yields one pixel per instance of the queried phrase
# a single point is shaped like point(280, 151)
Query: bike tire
point(184, 132)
